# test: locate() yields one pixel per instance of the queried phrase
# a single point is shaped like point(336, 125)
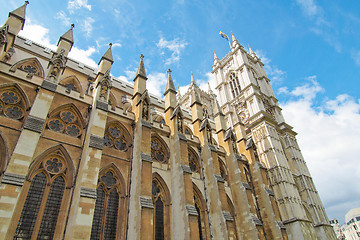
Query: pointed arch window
point(194, 162)
point(234, 85)
point(159, 152)
point(223, 170)
point(116, 137)
point(32, 66)
point(12, 103)
point(66, 120)
point(200, 207)
point(106, 215)
point(158, 200)
point(50, 183)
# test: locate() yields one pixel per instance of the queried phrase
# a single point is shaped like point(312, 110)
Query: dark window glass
point(52, 208)
point(111, 215)
point(99, 206)
point(199, 222)
point(159, 220)
point(31, 207)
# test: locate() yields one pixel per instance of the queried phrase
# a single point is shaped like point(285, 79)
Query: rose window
point(54, 165)
point(11, 104)
point(158, 151)
point(115, 137)
point(65, 122)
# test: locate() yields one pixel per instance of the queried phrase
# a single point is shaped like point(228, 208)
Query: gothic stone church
point(86, 156)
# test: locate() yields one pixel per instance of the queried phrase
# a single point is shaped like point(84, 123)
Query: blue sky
point(311, 50)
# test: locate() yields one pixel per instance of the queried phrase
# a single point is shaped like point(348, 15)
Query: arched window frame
point(14, 103)
point(233, 215)
point(117, 136)
point(66, 119)
point(200, 205)
point(31, 66)
point(76, 85)
point(112, 101)
point(164, 195)
point(159, 150)
point(40, 166)
point(194, 161)
point(223, 170)
point(234, 84)
point(3, 155)
point(119, 186)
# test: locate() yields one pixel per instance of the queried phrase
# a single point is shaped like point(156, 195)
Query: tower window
point(234, 85)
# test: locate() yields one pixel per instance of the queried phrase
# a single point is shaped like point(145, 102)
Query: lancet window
point(50, 180)
point(201, 211)
point(234, 85)
point(159, 152)
point(12, 103)
point(67, 121)
point(106, 215)
point(223, 170)
point(115, 137)
point(194, 162)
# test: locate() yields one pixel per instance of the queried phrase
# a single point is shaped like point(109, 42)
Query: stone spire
point(192, 79)
point(141, 69)
point(235, 42)
point(106, 61)
point(209, 88)
point(215, 56)
point(170, 84)
point(20, 13)
point(67, 37)
point(108, 55)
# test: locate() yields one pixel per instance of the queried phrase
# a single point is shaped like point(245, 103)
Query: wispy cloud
point(328, 136)
point(275, 74)
point(77, 4)
point(65, 20)
point(87, 25)
point(355, 54)
point(175, 46)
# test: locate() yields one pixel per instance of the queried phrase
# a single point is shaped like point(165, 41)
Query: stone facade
point(86, 156)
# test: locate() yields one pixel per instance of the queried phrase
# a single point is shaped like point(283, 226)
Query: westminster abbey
point(84, 155)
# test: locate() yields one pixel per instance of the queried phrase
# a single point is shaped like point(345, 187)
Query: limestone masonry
point(86, 156)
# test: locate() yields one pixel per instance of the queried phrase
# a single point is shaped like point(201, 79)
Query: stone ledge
point(246, 185)
point(13, 179)
point(219, 178)
point(191, 210)
point(228, 216)
point(146, 202)
point(256, 220)
point(146, 157)
point(102, 105)
point(182, 137)
point(213, 148)
point(34, 124)
point(280, 224)
point(96, 142)
point(49, 85)
point(186, 168)
point(145, 123)
point(269, 192)
point(88, 192)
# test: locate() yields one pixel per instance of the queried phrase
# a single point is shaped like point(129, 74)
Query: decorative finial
point(169, 71)
point(110, 44)
point(141, 57)
point(26, 2)
point(72, 26)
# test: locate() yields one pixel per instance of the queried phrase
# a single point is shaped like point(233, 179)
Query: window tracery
point(106, 214)
point(31, 66)
point(115, 137)
point(158, 200)
point(201, 211)
point(66, 121)
point(234, 85)
point(47, 187)
point(12, 104)
point(193, 161)
point(223, 170)
point(159, 151)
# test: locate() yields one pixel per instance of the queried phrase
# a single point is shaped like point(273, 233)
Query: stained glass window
point(105, 221)
point(158, 211)
point(199, 221)
point(11, 104)
point(66, 122)
point(115, 137)
point(234, 85)
point(158, 151)
point(193, 161)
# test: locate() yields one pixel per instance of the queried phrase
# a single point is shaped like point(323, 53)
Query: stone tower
point(245, 92)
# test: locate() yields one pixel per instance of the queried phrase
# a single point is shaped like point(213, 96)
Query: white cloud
point(87, 25)
point(77, 4)
point(202, 83)
point(65, 20)
point(309, 7)
point(329, 137)
point(116, 45)
point(356, 57)
point(275, 74)
point(156, 83)
point(40, 34)
point(175, 46)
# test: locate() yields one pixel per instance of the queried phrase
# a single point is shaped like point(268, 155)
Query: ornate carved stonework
point(242, 111)
point(269, 108)
point(57, 64)
point(105, 86)
point(3, 35)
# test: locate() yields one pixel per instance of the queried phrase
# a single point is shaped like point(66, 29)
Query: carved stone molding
point(269, 192)
point(102, 105)
point(191, 210)
point(34, 124)
point(219, 178)
point(13, 179)
point(145, 123)
point(88, 192)
point(146, 157)
point(49, 85)
point(96, 142)
point(146, 202)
